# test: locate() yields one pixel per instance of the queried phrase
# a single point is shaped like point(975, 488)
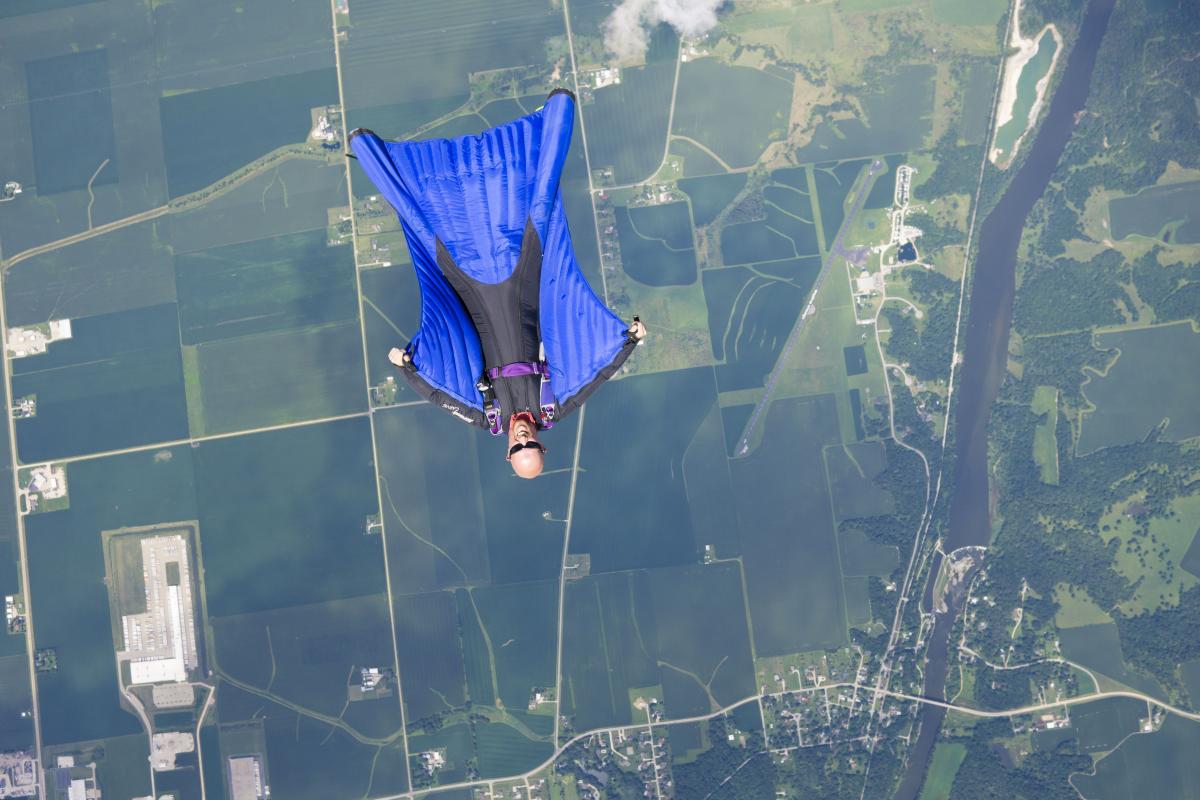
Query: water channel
point(985, 357)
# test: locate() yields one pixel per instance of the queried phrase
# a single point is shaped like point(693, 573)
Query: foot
point(399, 357)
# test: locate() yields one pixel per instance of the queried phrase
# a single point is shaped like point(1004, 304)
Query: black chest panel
point(506, 318)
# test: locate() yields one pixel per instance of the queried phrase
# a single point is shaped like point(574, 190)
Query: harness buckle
point(491, 407)
point(547, 401)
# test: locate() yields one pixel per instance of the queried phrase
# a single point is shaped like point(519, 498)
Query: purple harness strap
point(519, 368)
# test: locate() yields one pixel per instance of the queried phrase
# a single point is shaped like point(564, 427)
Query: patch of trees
point(725, 772)
point(1068, 295)
point(1158, 642)
point(1058, 360)
point(957, 167)
point(823, 772)
point(934, 235)
point(1173, 291)
point(987, 774)
point(925, 347)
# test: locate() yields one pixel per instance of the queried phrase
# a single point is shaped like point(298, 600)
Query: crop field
point(1102, 725)
point(633, 138)
point(1098, 647)
point(1141, 388)
point(709, 491)
point(1161, 764)
point(477, 656)
point(789, 546)
point(309, 655)
point(126, 269)
point(630, 536)
point(898, 117)
point(1191, 559)
point(281, 283)
point(947, 757)
point(296, 536)
point(711, 194)
point(1045, 443)
point(703, 641)
point(210, 133)
point(833, 182)
point(67, 583)
point(852, 470)
point(432, 504)
point(117, 382)
point(389, 49)
point(502, 750)
point(430, 650)
point(977, 101)
point(753, 331)
point(274, 378)
point(1170, 213)
point(751, 114)
point(656, 244)
point(519, 629)
point(391, 311)
point(610, 646)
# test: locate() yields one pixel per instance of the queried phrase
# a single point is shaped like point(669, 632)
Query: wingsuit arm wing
point(447, 358)
point(585, 342)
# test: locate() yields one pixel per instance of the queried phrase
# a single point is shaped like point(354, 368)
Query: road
point(22, 551)
point(362, 322)
point(835, 251)
point(973, 712)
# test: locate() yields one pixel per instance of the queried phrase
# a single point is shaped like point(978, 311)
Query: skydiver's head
point(525, 452)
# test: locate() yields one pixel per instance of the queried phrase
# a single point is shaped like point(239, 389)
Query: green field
point(281, 283)
point(309, 655)
point(295, 535)
point(274, 378)
point(1161, 764)
point(970, 12)
point(501, 751)
point(1142, 388)
point(1170, 213)
point(753, 110)
point(947, 757)
point(430, 651)
point(627, 124)
point(703, 642)
point(1031, 73)
point(634, 536)
point(898, 115)
point(610, 646)
point(434, 542)
point(116, 383)
point(1045, 443)
point(789, 546)
point(1098, 647)
point(519, 621)
point(656, 244)
point(123, 270)
point(853, 470)
point(210, 133)
point(1102, 725)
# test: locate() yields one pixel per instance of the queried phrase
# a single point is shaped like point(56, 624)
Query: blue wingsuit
point(484, 221)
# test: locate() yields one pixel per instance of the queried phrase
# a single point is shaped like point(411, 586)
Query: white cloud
point(627, 29)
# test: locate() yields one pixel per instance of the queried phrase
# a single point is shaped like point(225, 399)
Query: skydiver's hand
point(638, 330)
point(399, 357)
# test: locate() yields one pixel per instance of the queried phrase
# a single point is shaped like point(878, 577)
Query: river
point(986, 351)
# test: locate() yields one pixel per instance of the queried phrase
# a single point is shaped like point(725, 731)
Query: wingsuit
point(508, 321)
